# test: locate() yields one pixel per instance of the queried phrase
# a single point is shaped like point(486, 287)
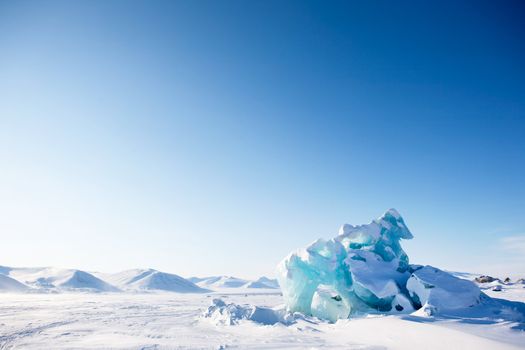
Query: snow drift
point(365, 270)
point(230, 314)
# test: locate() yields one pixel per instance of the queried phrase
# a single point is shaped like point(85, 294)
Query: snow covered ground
point(360, 280)
point(163, 320)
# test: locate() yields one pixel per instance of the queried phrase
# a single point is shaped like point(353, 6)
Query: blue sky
point(206, 137)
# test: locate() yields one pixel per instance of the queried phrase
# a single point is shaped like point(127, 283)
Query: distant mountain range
point(219, 282)
point(35, 279)
point(50, 278)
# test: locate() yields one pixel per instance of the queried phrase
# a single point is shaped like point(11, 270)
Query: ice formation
point(363, 270)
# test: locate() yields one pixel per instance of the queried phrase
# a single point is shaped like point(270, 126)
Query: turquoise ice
point(362, 270)
point(365, 270)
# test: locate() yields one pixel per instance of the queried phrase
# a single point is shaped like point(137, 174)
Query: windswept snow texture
point(55, 278)
point(35, 321)
point(150, 280)
point(365, 270)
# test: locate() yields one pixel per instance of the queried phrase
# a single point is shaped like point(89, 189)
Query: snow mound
point(221, 313)
point(8, 284)
point(364, 270)
point(151, 280)
point(437, 291)
point(62, 279)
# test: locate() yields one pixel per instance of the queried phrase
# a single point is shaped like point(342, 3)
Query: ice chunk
point(329, 305)
point(438, 290)
point(364, 268)
point(301, 273)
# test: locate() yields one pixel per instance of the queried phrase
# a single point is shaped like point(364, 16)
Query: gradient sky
point(214, 137)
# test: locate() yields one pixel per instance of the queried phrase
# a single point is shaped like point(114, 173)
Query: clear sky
point(214, 137)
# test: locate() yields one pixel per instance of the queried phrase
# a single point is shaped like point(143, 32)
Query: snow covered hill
point(135, 280)
point(56, 278)
point(8, 284)
point(263, 283)
point(150, 279)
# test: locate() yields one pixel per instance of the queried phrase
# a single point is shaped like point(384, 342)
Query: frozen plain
point(163, 320)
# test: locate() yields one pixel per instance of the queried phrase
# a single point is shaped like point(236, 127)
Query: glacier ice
point(362, 270)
